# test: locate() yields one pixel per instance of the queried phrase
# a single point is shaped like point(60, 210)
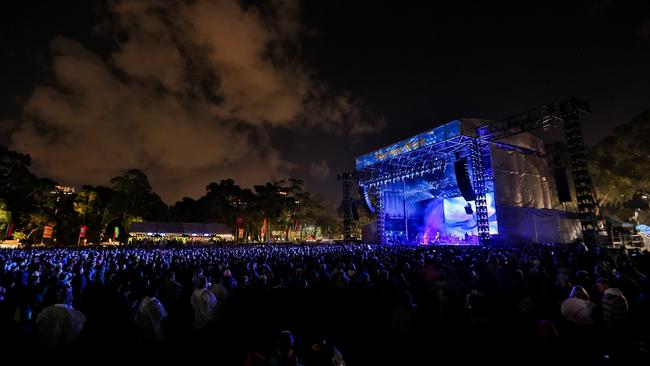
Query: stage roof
point(425, 139)
point(180, 228)
point(428, 150)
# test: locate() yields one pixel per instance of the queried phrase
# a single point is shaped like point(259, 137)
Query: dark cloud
point(319, 169)
point(644, 30)
point(189, 95)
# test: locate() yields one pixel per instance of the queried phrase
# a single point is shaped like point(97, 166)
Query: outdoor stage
point(450, 186)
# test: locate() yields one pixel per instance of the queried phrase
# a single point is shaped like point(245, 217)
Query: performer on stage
point(437, 239)
point(425, 238)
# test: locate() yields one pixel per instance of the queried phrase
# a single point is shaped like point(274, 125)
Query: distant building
point(60, 189)
point(183, 231)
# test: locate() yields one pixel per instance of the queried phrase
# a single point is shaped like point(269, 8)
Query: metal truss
point(478, 177)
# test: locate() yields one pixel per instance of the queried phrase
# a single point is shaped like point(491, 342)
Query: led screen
point(458, 222)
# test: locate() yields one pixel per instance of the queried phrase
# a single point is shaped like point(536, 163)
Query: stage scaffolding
point(436, 150)
point(428, 159)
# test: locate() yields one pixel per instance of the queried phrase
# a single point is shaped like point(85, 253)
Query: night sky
point(197, 91)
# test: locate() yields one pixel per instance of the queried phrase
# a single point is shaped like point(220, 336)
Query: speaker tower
point(463, 179)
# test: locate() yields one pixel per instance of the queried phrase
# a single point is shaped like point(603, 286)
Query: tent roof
point(180, 228)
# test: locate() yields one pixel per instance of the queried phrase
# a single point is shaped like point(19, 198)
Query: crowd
point(329, 304)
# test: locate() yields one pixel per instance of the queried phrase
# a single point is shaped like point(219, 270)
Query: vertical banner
point(239, 232)
point(47, 232)
point(82, 232)
point(264, 228)
point(116, 233)
point(10, 230)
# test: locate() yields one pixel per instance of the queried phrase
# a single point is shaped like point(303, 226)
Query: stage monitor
point(458, 222)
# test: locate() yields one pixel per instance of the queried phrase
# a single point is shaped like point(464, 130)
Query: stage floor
point(455, 244)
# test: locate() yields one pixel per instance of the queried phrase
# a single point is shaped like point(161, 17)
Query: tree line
point(28, 203)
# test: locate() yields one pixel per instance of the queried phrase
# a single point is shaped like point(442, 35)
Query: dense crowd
point(329, 304)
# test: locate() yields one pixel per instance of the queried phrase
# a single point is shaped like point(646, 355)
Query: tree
point(269, 202)
point(5, 218)
point(186, 210)
point(23, 193)
point(134, 198)
point(59, 208)
point(250, 212)
point(618, 165)
point(30, 225)
point(32, 202)
point(97, 209)
point(221, 201)
point(310, 214)
point(292, 200)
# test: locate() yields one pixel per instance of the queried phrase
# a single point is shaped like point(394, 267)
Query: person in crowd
point(149, 316)
point(284, 351)
point(171, 290)
point(578, 311)
point(322, 353)
point(343, 290)
point(404, 317)
point(614, 309)
point(204, 304)
point(59, 325)
point(548, 345)
point(578, 308)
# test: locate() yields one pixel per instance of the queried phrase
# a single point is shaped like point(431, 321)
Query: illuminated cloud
point(189, 96)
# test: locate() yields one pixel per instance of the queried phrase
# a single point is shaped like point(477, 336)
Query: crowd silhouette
point(328, 304)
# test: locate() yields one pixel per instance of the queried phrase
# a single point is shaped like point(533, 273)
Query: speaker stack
point(461, 169)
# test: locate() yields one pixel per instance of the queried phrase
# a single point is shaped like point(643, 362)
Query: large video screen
point(458, 222)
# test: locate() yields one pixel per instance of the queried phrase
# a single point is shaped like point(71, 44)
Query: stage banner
point(10, 230)
point(47, 232)
point(240, 233)
point(82, 232)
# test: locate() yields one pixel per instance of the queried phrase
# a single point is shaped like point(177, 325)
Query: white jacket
point(148, 317)
point(204, 304)
point(59, 325)
point(578, 311)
